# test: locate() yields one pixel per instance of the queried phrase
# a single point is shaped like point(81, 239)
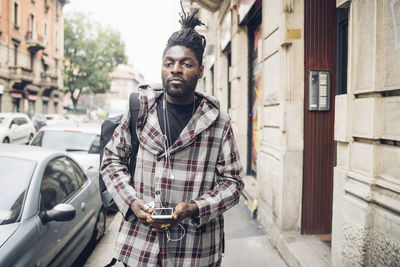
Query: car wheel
point(100, 227)
point(6, 140)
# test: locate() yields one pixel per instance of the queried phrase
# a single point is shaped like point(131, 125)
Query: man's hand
point(141, 212)
point(182, 211)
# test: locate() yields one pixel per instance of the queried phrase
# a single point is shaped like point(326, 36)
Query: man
point(187, 160)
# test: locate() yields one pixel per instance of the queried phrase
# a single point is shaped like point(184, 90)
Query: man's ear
point(201, 71)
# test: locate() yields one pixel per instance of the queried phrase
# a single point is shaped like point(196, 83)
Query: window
point(45, 32)
point(16, 14)
point(22, 121)
point(14, 122)
point(38, 139)
point(31, 19)
point(31, 107)
point(15, 54)
point(62, 179)
point(32, 26)
point(69, 141)
point(44, 106)
point(12, 201)
point(56, 40)
point(342, 21)
point(46, 5)
point(15, 105)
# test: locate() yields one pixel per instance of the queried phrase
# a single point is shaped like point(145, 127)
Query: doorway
point(255, 93)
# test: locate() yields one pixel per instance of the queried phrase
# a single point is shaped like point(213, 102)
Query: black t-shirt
point(178, 117)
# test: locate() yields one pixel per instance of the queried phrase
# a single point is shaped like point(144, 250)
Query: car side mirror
point(60, 213)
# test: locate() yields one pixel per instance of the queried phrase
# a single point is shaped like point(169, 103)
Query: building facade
point(31, 56)
point(313, 90)
point(125, 80)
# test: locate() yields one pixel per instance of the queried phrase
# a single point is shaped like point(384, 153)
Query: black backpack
point(107, 131)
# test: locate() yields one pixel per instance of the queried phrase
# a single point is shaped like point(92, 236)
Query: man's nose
point(177, 68)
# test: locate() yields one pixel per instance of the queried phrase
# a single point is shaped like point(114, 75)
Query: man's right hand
point(140, 211)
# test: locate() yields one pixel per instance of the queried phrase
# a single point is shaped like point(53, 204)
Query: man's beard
point(184, 89)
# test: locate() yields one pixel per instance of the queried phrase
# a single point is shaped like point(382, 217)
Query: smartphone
point(162, 213)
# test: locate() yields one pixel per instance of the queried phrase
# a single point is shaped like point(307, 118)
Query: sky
point(145, 26)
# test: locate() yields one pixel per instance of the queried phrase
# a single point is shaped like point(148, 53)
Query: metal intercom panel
point(319, 90)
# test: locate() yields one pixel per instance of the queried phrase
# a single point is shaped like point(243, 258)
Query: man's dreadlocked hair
point(187, 36)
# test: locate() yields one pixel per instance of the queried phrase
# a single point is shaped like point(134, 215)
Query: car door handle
point(83, 206)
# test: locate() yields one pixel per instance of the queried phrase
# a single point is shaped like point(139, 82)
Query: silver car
point(81, 141)
point(49, 208)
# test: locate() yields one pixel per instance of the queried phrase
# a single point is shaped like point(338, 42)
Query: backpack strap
point(134, 108)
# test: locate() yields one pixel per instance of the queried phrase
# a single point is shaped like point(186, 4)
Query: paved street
point(246, 244)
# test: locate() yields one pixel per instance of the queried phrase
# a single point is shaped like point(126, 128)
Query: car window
point(60, 182)
point(12, 194)
point(14, 121)
point(95, 147)
point(37, 141)
point(18, 121)
point(22, 121)
point(70, 141)
point(80, 177)
point(3, 120)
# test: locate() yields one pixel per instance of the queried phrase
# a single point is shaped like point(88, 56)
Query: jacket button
point(158, 192)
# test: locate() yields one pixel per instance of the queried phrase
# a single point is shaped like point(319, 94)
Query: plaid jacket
point(204, 167)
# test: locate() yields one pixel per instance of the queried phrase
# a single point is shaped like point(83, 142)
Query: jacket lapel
point(148, 127)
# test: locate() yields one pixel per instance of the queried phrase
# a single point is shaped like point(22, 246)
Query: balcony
point(34, 42)
point(21, 75)
point(48, 80)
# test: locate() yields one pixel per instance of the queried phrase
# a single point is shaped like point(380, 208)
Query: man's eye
point(187, 65)
point(168, 64)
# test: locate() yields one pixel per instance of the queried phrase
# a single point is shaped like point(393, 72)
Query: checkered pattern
point(204, 167)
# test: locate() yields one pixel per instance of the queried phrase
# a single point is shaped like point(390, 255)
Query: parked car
point(81, 141)
point(53, 119)
point(16, 128)
point(49, 208)
point(39, 120)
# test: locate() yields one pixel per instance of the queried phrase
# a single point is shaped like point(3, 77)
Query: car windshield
point(71, 141)
point(3, 121)
point(15, 177)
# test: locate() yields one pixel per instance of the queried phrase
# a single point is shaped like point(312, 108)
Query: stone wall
point(366, 219)
point(279, 171)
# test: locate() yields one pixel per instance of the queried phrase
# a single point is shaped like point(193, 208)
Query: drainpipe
point(8, 32)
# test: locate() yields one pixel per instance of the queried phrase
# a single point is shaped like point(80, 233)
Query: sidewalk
point(246, 243)
point(296, 249)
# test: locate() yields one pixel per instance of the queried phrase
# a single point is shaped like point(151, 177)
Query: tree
point(91, 53)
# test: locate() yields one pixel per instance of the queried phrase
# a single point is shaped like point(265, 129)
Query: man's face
point(180, 71)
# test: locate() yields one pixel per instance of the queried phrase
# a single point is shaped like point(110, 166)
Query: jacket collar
point(149, 130)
